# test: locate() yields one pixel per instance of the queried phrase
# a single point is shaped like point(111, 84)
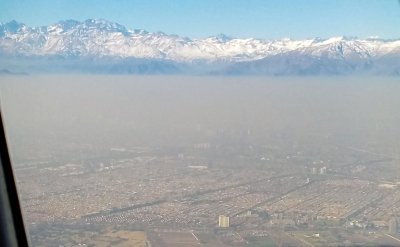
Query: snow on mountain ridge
point(98, 37)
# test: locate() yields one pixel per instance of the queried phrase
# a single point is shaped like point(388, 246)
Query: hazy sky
point(49, 112)
point(239, 18)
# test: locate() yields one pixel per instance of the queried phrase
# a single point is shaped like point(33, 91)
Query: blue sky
point(238, 18)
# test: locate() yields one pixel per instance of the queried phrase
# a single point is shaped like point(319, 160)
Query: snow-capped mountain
point(101, 40)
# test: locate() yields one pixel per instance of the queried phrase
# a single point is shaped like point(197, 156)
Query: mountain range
point(100, 46)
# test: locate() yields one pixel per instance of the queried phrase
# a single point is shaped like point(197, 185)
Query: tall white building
point(314, 170)
point(393, 226)
point(223, 221)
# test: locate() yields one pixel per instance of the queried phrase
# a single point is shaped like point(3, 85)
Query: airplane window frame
point(12, 228)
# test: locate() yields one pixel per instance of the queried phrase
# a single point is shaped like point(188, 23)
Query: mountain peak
point(11, 27)
point(105, 25)
point(98, 24)
point(65, 25)
point(220, 38)
point(223, 37)
point(340, 38)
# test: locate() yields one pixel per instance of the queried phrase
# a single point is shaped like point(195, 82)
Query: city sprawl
point(287, 167)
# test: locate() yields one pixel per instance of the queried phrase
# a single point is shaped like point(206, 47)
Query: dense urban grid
point(294, 196)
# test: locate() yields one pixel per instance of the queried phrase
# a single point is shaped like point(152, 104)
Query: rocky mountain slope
point(103, 46)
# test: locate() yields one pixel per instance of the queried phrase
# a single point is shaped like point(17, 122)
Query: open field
point(178, 239)
point(119, 239)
